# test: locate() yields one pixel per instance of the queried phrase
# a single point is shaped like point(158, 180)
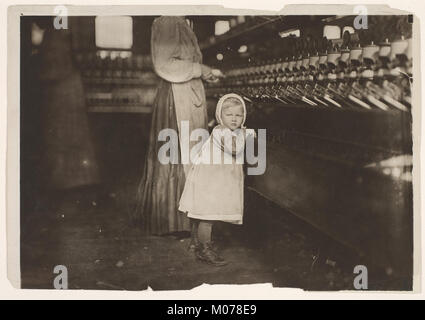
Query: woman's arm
point(166, 45)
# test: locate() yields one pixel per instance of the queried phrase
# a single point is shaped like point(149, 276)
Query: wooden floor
point(93, 238)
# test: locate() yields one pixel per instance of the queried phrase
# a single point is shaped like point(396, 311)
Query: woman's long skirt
point(161, 186)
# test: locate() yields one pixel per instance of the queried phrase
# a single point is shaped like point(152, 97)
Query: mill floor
point(93, 237)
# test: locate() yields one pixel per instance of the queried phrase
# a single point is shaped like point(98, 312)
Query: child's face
point(232, 115)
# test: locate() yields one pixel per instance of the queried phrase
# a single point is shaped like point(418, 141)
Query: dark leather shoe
point(214, 246)
point(206, 254)
point(193, 245)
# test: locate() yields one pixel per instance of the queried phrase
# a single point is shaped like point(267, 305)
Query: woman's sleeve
point(166, 46)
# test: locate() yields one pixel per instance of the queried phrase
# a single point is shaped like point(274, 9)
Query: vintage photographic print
point(170, 150)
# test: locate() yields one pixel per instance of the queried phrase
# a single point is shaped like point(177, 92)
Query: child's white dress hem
point(235, 219)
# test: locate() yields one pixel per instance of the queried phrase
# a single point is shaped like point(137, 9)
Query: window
point(114, 32)
point(221, 27)
point(290, 33)
point(332, 32)
point(37, 34)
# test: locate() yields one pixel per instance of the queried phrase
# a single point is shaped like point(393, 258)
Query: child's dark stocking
point(204, 231)
point(194, 240)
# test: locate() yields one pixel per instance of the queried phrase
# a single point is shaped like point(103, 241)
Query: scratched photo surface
point(319, 106)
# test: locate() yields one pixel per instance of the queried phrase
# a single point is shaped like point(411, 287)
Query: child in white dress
point(214, 185)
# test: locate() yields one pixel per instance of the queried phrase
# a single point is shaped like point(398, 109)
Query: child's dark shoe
point(193, 246)
point(214, 246)
point(206, 254)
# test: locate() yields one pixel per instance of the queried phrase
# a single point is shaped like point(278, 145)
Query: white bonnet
point(220, 106)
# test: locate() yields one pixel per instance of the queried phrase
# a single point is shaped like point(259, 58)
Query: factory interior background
point(337, 191)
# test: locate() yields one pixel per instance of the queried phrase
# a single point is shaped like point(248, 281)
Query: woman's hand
point(211, 75)
point(217, 73)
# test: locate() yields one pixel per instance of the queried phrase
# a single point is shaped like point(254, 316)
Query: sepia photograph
point(171, 151)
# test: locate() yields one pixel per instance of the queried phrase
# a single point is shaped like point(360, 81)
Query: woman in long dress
point(177, 60)
point(69, 156)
